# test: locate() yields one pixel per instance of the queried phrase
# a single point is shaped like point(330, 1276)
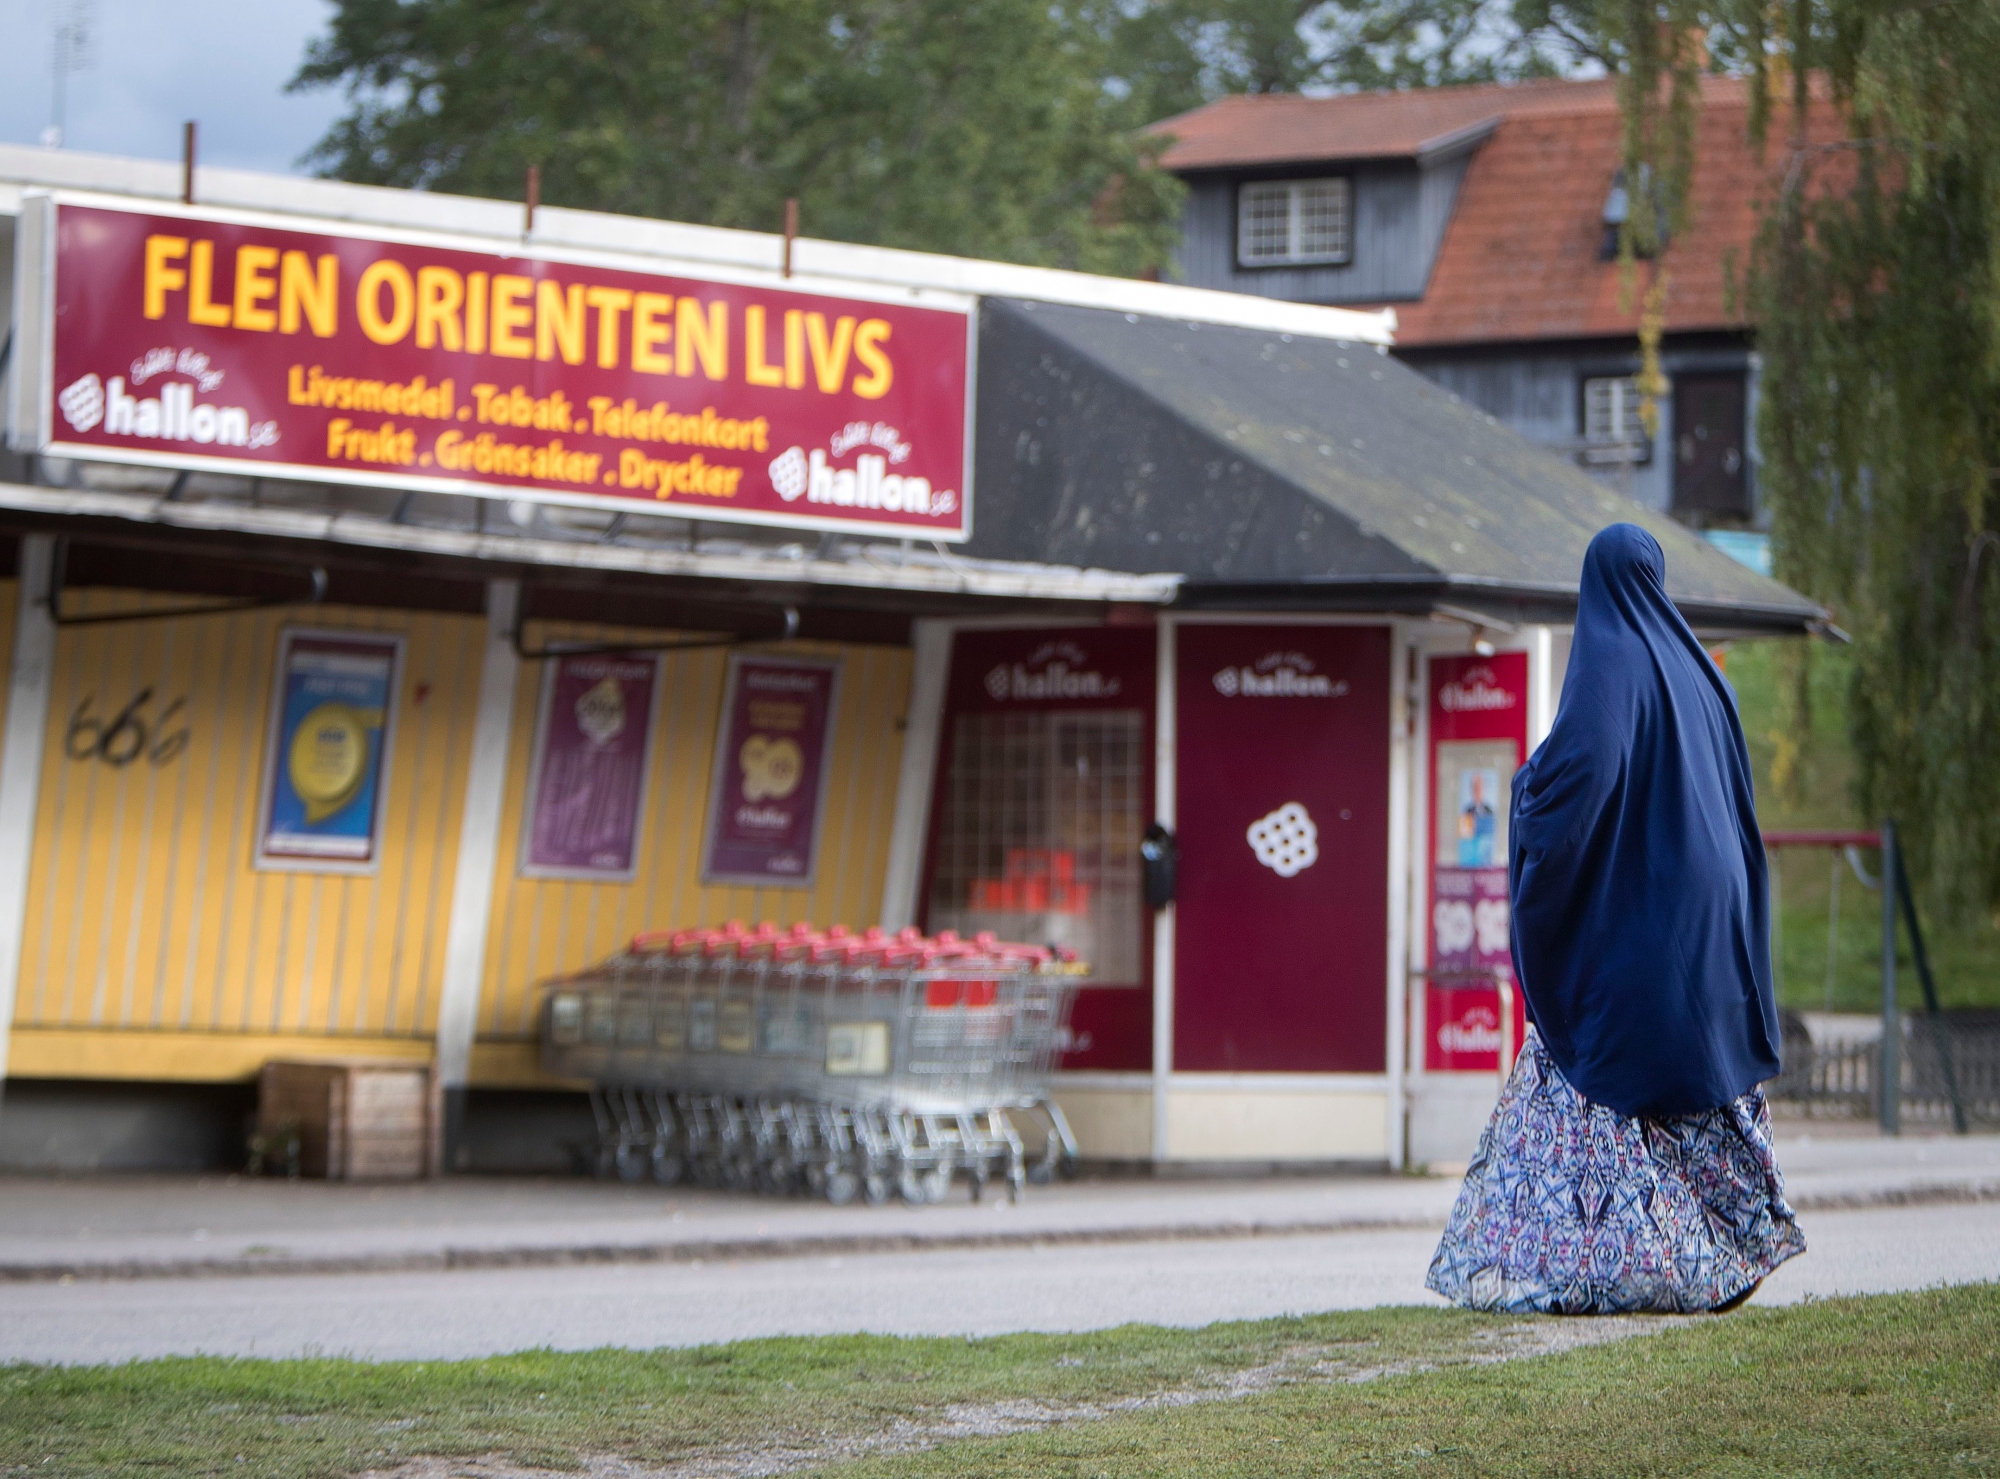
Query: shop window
point(1612, 429)
point(1038, 839)
point(1282, 223)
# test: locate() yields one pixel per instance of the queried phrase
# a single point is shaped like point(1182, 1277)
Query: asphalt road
point(1076, 1287)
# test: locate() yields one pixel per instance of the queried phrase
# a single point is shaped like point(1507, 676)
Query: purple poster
point(1469, 924)
point(770, 771)
point(588, 785)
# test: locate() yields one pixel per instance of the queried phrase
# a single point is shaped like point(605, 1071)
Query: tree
point(972, 126)
point(1169, 56)
point(1877, 298)
point(1875, 291)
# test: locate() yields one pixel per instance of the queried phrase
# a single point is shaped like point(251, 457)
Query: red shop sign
point(239, 343)
point(1462, 1027)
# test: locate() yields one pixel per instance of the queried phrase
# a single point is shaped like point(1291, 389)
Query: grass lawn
point(1966, 958)
point(1904, 1384)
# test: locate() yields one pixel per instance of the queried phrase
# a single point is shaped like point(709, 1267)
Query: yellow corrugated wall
point(144, 911)
point(542, 927)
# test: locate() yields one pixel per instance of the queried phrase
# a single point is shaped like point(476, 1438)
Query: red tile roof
point(1519, 258)
point(1278, 128)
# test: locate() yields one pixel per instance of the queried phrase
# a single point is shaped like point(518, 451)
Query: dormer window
point(1287, 223)
point(1614, 431)
point(1618, 210)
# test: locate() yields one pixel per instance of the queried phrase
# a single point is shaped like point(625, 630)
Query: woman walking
point(1628, 1164)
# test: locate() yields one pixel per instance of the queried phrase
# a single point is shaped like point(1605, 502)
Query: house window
point(1286, 222)
point(1612, 430)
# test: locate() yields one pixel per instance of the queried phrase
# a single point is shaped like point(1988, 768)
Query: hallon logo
point(1053, 670)
point(1286, 841)
point(1478, 689)
point(1278, 675)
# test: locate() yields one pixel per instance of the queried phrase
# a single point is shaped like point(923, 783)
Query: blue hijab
point(1641, 921)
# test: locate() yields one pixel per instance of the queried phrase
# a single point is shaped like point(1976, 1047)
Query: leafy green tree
point(1877, 298)
point(1172, 55)
point(1875, 289)
point(973, 126)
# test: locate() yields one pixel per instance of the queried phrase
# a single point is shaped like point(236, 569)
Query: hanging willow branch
point(1878, 312)
point(1875, 289)
point(1659, 95)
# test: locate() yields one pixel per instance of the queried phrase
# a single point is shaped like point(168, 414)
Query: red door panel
point(1281, 933)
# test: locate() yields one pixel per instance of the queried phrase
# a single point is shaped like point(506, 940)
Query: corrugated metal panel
point(542, 926)
point(143, 908)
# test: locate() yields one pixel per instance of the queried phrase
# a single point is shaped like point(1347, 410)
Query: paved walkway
point(202, 1227)
point(963, 1291)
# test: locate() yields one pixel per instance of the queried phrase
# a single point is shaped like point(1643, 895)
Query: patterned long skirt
point(1572, 1208)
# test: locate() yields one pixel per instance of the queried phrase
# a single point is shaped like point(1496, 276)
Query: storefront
point(403, 612)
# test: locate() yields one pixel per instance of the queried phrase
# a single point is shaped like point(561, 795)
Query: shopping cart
point(820, 1061)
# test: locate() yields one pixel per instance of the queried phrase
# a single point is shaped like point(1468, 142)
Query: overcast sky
point(155, 65)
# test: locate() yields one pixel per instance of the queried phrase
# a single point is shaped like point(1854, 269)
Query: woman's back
point(1640, 917)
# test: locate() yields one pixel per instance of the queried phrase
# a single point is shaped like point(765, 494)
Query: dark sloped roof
point(1270, 469)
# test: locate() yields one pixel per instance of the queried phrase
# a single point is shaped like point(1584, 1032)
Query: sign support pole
point(1164, 791)
point(478, 860)
point(1396, 1049)
point(21, 764)
point(1891, 1089)
point(909, 830)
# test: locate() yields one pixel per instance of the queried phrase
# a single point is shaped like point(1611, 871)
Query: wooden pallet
point(357, 1119)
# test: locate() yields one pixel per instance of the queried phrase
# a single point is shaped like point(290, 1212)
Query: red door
point(1282, 909)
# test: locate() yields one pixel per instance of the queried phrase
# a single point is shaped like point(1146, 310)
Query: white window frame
point(1253, 192)
point(1623, 438)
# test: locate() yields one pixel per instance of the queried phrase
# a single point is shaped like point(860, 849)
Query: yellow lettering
point(755, 369)
point(651, 329)
point(312, 291)
point(440, 295)
point(707, 341)
point(829, 359)
point(160, 278)
point(511, 314)
point(868, 349)
point(559, 322)
point(393, 275)
point(609, 303)
point(795, 349)
point(254, 283)
point(475, 313)
point(202, 309)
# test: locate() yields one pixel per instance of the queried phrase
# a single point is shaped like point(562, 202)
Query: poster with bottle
point(768, 792)
point(587, 784)
point(326, 762)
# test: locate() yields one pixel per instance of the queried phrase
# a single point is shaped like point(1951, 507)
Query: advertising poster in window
point(326, 765)
point(768, 793)
point(587, 790)
point(1478, 722)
